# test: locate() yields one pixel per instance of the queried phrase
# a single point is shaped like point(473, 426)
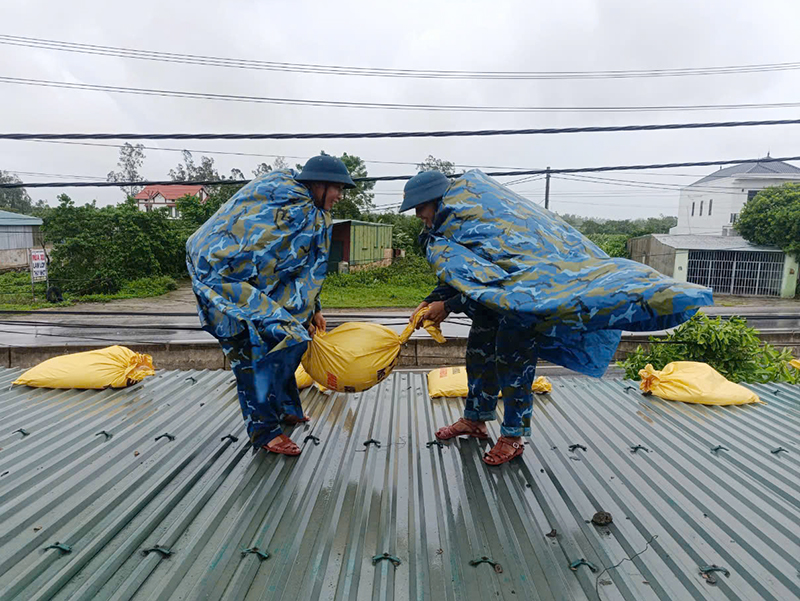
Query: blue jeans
point(266, 385)
point(500, 358)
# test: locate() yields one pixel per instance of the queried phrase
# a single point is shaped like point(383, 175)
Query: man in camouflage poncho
point(535, 288)
point(257, 267)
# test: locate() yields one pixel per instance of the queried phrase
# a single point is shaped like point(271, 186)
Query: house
point(359, 245)
point(164, 196)
point(712, 204)
point(727, 264)
point(18, 234)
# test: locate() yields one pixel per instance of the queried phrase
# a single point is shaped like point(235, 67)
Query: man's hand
point(437, 313)
point(318, 324)
point(419, 308)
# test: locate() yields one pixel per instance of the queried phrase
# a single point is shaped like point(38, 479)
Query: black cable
point(399, 134)
point(388, 105)
point(192, 59)
point(389, 178)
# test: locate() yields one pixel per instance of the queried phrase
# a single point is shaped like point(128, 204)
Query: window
point(734, 217)
point(701, 208)
point(692, 209)
point(751, 194)
point(710, 206)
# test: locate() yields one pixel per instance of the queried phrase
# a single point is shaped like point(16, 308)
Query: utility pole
point(547, 190)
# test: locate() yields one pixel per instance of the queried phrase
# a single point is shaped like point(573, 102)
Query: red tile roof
point(169, 192)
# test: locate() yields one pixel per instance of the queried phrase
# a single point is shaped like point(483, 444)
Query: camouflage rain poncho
point(259, 262)
point(512, 256)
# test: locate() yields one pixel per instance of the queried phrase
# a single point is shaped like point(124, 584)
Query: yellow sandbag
point(692, 382)
point(795, 363)
point(356, 356)
point(114, 366)
point(302, 378)
point(452, 381)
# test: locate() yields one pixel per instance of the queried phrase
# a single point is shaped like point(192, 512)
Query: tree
point(432, 163)
point(189, 170)
point(131, 159)
point(357, 201)
point(280, 163)
point(15, 200)
point(261, 169)
point(772, 218)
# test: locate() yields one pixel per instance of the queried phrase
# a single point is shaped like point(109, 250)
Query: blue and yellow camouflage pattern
point(499, 249)
point(259, 262)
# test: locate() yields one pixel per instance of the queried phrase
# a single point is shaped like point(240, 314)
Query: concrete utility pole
point(547, 190)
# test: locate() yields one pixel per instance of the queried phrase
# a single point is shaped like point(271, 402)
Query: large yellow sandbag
point(114, 366)
point(452, 381)
point(795, 363)
point(356, 356)
point(692, 382)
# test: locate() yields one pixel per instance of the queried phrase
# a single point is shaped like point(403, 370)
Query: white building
point(711, 205)
point(164, 197)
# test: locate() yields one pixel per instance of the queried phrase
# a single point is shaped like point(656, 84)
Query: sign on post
point(38, 265)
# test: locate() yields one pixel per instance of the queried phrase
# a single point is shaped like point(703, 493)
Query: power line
point(395, 106)
point(388, 178)
point(309, 68)
point(398, 134)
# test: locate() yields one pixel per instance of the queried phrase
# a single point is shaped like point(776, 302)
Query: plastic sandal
point(449, 432)
point(504, 451)
point(282, 445)
point(293, 420)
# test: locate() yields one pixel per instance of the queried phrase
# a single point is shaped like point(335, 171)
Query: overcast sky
point(581, 35)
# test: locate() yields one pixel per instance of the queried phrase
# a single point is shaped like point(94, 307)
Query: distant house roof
point(7, 218)
point(710, 242)
point(759, 168)
point(169, 192)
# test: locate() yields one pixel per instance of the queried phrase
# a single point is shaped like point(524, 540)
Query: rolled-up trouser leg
point(257, 399)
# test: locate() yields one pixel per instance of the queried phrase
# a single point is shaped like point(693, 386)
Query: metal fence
point(743, 273)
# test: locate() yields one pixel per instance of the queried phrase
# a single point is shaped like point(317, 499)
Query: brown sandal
point(504, 451)
point(282, 445)
point(449, 432)
point(293, 420)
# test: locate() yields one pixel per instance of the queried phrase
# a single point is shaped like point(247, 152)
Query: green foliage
point(773, 218)
point(729, 346)
point(15, 291)
point(629, 227)
point(96, 250)
point(403, 284)
point(614, 245)
point(15, 200)
point(357, 202)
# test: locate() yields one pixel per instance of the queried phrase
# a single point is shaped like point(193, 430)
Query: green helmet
point(326, 169)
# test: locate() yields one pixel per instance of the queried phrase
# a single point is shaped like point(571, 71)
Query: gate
point(743, 273)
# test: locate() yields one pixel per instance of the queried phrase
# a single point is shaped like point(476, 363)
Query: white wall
point(727, 195)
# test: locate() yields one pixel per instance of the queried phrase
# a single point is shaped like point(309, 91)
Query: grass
point(403, 284)
point(15, 292)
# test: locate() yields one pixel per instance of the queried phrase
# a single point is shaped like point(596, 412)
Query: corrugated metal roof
point(766, 168)
point(710, 242)
point(203, 498)
point(9, 218)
